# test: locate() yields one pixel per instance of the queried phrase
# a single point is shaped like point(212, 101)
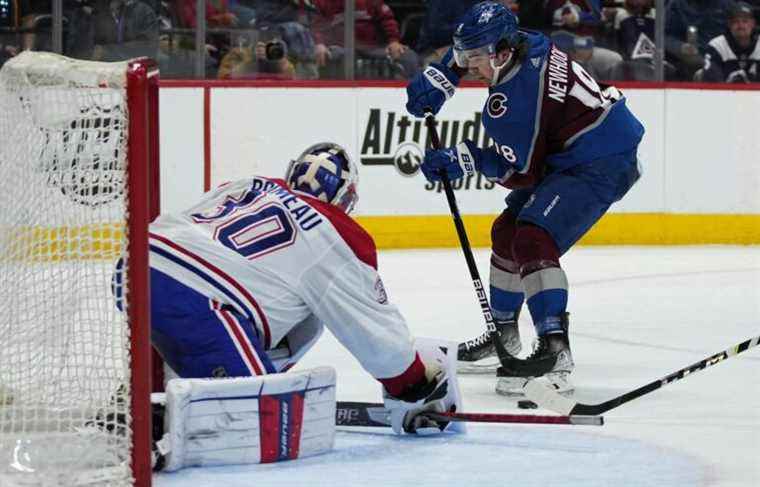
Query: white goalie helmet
point(325, 171)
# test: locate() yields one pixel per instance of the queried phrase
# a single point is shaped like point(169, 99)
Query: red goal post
point(79, 183)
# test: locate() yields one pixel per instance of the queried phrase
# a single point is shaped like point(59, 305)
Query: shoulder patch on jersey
point(352, 233)
point(496, 104)
point(380, 295)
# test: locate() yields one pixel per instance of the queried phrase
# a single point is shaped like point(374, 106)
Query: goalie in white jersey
point(243, 282)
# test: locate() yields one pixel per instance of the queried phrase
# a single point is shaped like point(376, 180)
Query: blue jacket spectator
point(689, 26)
point(734, 57)
point(707, 16)
point(125, 29)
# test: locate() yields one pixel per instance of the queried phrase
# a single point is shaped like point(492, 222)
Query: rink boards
point(700, 182)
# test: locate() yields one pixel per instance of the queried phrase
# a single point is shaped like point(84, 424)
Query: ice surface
point(637, 314)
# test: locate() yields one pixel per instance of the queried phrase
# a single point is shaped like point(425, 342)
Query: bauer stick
point(370, 414)
point(546, 397)
point(507, 360)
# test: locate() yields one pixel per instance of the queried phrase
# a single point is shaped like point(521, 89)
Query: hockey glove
point(430, 89)
point(437, 392)
point(408, 411)
point(456, 162)
point(464, 159)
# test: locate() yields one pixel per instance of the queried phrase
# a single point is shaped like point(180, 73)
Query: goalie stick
point(518, 367)
point(375, 415)
point(543, 395)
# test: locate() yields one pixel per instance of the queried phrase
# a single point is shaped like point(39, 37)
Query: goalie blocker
point(264, 419)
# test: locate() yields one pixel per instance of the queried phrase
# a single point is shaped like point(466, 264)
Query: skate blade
point(483, 366)
point(514, 387)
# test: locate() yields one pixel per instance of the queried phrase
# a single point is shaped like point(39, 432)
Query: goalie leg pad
point(249, 419)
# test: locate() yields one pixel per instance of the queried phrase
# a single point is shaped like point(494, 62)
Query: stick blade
point(546, 397)
point(587, 420)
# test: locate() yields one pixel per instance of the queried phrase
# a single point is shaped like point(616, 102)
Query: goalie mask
point(326, 172)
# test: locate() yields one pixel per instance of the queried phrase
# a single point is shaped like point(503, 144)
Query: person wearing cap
point(581, 49)
point(733, 57)
point(689, 26)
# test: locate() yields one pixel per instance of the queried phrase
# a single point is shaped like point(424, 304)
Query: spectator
point(284, 17)
point(176, 51)
point(80, 28)
point(733, 57)
point(219, 13)
point(582, 18)
point(38, 32)
point(125, 29)
point(262, 60)
point(288, 20)
point(633, 27)
point(274, 12)
point(689, 26)
point(218, 16)
point(377, 39)
point(7, 52)
point(438, 24)
point(10, 19)
point(581, 49)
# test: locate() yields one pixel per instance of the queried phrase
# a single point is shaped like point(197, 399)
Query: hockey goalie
point(242, 285)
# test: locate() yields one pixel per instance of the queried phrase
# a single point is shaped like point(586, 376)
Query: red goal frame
point(143, 179)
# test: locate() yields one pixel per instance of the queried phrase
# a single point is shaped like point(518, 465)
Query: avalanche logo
point(486, 16)
point(496, 105)
point(408, 158)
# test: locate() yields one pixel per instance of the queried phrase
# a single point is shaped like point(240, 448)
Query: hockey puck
point(526, 404)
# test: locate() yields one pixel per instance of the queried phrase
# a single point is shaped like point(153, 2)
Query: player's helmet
point(484, 29)
point(326, 172)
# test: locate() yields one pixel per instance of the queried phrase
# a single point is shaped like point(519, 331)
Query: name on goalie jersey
point(306, 216)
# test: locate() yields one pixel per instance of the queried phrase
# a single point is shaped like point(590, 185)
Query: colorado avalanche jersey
point(728, 62)
point(285, 260)
point(548, 113)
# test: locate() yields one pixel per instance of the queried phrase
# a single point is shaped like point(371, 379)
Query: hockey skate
point(478, 356)
point(552, 349)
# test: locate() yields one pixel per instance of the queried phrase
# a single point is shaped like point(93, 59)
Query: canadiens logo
point(497, 105)
point(380, 295)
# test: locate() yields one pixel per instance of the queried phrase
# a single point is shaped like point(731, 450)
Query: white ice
point(637, 314)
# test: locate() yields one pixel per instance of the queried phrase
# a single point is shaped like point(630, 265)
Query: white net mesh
point(64, 359)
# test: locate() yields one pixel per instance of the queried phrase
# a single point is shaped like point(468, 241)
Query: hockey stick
point(375, 415)
point(521, 366)
point(546, 397)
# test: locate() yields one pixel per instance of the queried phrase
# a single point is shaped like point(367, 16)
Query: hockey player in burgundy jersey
point(244, 281)
point(564, 144)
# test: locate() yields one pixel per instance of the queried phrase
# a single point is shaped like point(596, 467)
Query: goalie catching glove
point(463, 160)
point(437, 392)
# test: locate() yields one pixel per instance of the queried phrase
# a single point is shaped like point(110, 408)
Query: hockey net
point(78, 156)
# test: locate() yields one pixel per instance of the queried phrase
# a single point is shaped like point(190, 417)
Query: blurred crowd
point(705, 40)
